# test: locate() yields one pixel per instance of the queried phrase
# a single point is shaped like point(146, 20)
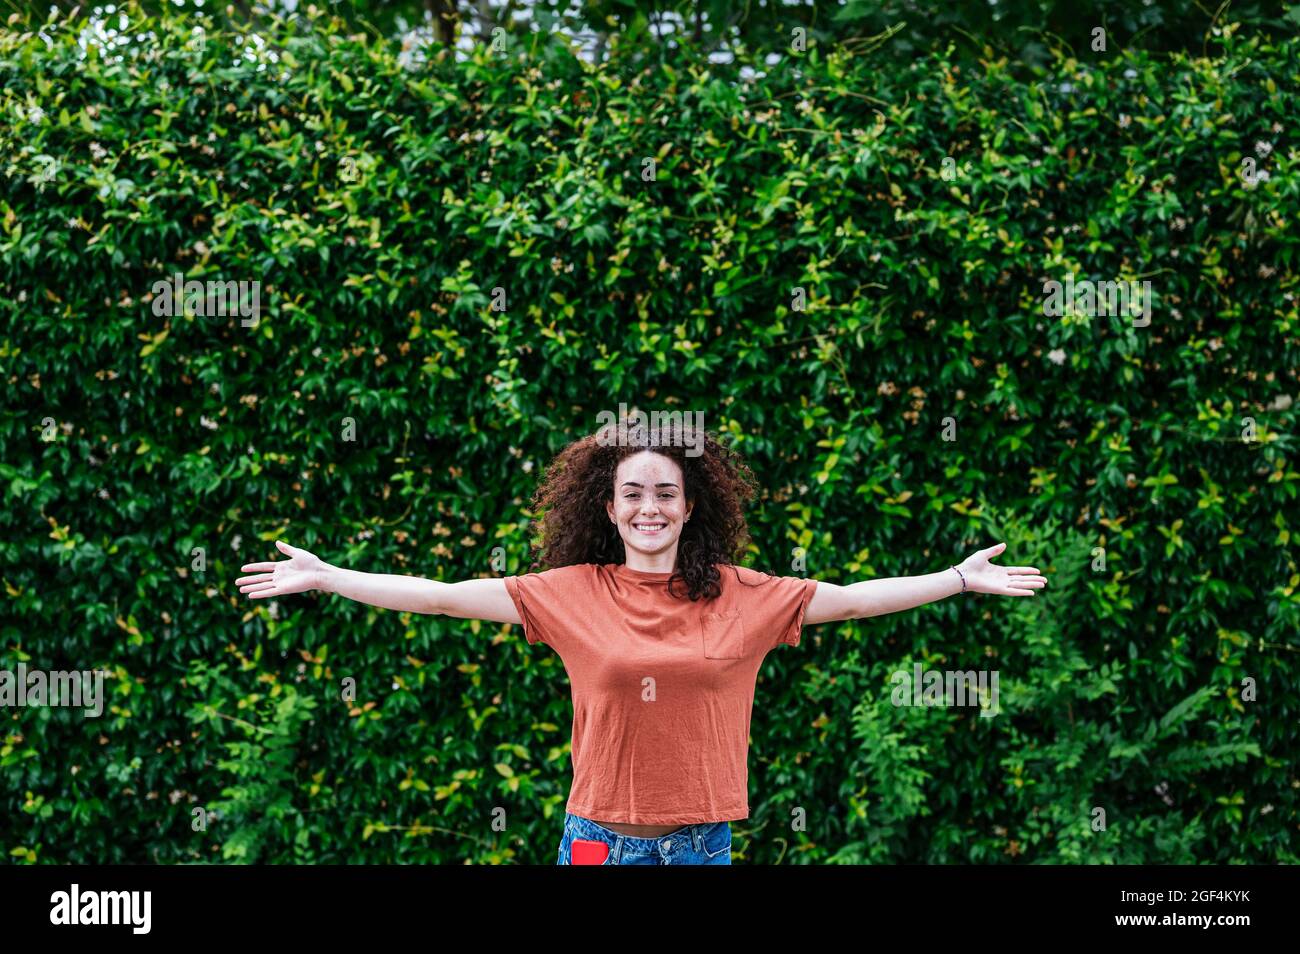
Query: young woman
point(661, 634)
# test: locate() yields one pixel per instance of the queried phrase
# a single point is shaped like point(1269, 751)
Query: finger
point(256, 567)
point(1022, 569)
point(260, 578)
point(262, 594)
point(257, 588)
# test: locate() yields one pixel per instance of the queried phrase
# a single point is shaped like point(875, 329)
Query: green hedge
point(918, 406)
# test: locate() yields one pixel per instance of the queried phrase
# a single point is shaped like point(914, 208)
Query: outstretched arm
point(891, 594)
point(485, 599)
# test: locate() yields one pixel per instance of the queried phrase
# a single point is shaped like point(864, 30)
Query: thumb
point(995, 549)
point(284, 548)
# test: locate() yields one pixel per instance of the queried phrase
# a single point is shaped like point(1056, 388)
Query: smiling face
point(649, 508)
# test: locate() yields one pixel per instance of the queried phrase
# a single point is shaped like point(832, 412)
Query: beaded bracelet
point(963, 579)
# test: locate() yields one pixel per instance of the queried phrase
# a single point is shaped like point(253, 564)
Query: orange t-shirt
point(663, 687)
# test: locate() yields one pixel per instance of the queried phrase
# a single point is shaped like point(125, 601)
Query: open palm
point(983, 576)
point(279, 578)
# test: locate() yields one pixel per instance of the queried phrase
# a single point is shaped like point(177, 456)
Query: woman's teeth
point(649, 527)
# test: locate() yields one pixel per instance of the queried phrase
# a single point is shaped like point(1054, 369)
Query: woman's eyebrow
point(633, 483)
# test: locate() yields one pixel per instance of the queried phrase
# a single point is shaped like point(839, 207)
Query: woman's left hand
point(984, 577)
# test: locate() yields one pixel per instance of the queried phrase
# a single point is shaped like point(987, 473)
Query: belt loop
point(697, 840)
point(618, 851)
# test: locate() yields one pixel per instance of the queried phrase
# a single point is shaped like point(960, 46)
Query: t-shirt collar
point(627, 573)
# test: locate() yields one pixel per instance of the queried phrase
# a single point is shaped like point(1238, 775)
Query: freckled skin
point(649, 487)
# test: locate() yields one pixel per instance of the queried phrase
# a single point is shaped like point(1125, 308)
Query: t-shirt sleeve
point(774, 606)
point(791, 596)
point(547, 600)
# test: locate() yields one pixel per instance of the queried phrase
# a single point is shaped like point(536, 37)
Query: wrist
point(324, 578)
point(963, 586)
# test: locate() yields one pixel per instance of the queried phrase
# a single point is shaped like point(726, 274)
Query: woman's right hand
point(302, 571)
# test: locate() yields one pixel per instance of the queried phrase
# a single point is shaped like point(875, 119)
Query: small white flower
point(1056, 356)
point(235, 541)
point(1262, 148)
point(1262, 175)
point(1066, 87)
point(1130, 73)
point(208, 422)
point(1124, 121)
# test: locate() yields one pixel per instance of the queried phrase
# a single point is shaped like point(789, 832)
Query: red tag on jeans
point(585, 852)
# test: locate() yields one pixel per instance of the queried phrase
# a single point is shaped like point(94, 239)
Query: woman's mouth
point(650, 529)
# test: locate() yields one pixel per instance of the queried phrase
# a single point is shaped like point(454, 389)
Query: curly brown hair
point(580, 481)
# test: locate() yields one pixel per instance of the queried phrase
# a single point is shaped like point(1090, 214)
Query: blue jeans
point(708, 843)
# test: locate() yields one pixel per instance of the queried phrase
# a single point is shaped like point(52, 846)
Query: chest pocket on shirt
point(724, 635)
